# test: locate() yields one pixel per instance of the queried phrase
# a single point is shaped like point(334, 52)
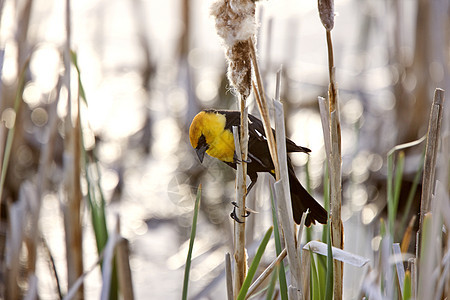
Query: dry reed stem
point(429, 169)
point(338, 254)
point(430, 256)
point(72, 168)
point(337, 228)
point(306, 273)
point(407, 235)
point(229, 276)
point(334, 157)
point(282, 185)
point(284, 206)
point(267, 271)
point(72, 209)
point(123, 269)
point(412, 265)
point(263, 109)
point(240, 253)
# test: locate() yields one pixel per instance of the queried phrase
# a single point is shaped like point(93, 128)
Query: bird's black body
point(259, 160)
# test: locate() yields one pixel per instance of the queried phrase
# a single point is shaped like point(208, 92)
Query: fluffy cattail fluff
point(235, 24)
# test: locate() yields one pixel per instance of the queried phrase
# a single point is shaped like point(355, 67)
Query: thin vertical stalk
point(229, 276)
point(429, 169)
point(334, 157)
point(191, 244)
point(283, 197)
point(123, 269)
point(263, 109)
point(241, 151)
point(72, 149)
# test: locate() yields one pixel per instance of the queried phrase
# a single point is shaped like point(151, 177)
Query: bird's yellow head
point(208, 134)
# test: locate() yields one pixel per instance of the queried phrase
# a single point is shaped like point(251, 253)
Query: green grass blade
point(412, 193)
point(74, 58)
point(322, 271)
point(393, 187)
point(95, 197)
point(407, 286)
point(281, 270)
point(12, 130)
point(314, 283)
point(391, 194)
point(191, 244)
point(398, 179)
point(326, 198)
point(254, 266)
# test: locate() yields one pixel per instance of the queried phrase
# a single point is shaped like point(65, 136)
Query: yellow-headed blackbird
point(211, 132)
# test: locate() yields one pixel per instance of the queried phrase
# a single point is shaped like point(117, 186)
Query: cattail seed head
point(326, 13)
point(236, 25)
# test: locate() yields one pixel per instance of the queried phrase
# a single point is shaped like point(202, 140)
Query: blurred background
point(146, 68)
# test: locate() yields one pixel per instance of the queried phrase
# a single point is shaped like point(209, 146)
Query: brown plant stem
point(335, 165)
point(262, 105)
point(240, 254)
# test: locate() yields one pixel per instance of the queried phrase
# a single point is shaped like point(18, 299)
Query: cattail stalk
point(326, 13)
point(235, 24)
point(241, 149)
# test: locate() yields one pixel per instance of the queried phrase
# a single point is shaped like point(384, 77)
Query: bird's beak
point(201, 151)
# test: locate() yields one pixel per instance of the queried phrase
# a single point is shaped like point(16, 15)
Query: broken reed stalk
point(326, 13)
point(283, 196)
point(429, 169)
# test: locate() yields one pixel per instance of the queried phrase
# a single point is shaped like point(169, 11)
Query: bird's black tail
point(302, 200)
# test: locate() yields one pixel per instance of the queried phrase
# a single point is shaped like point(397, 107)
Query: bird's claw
point(234, 216)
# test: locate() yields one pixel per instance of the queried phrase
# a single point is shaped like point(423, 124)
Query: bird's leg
point(253, 178)
point(248, 211)
point(250, 187)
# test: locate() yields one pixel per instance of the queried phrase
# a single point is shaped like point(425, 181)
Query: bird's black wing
point(258, 129)
point(257, 141)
